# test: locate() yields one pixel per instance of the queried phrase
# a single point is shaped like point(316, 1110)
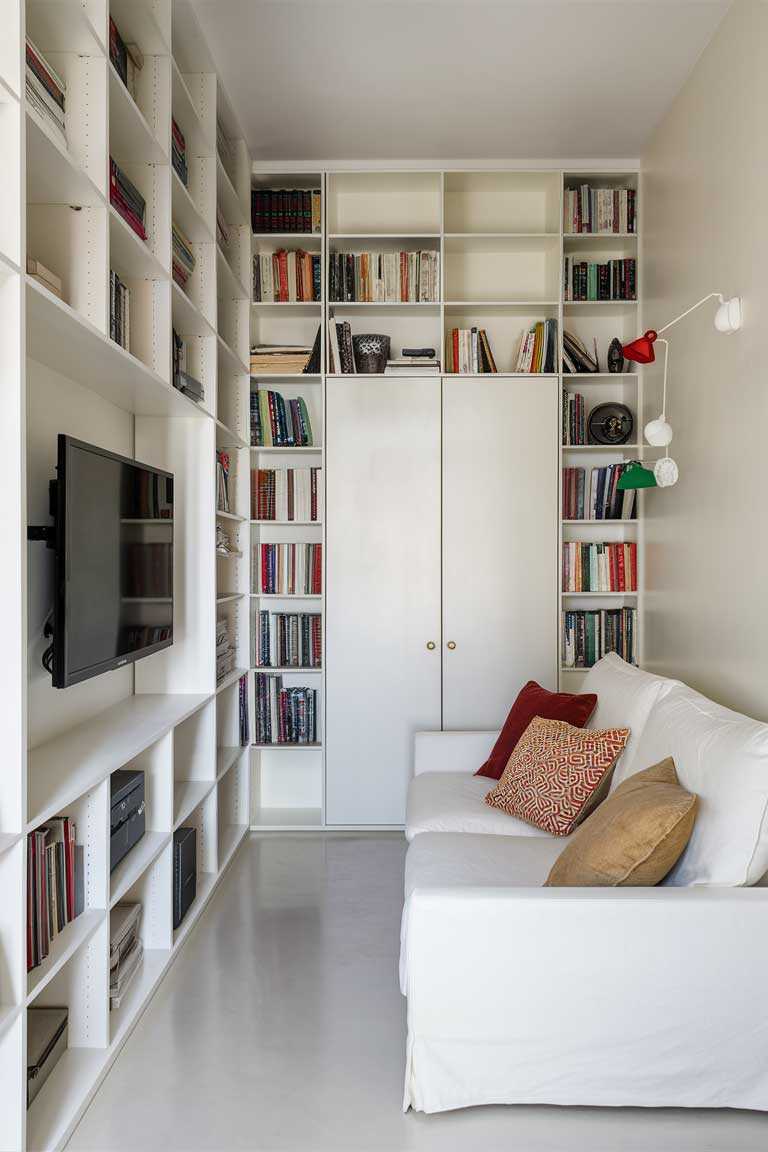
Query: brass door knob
point(451, 644)
point(431, 645)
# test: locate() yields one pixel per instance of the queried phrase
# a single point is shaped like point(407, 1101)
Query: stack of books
point(46, 91)
point(182, 379)
point(126, 949)
point(470, 351)
point(597, 496)
point(287, 569)
point(245, 723)
point(341, 353)
point(54, 885)
point(284, 715)
point(222, 482)
point(588, 636)
point(574, 419)
point(537, 348)
point(285, 494)
point(119, 311)
point(587, 209)
point(414, 362)
point(179, 153)
point(182, 256)
point(287, 640)
point(286, 277)
point(279, 423)
point(384, 277)
point(44, 276)
point(285, 210)
point(576, 358)
point(280, 359)
point(126, 199)
point(225, 653)
point(607, 567)
point(583, 280)
point(126, 58)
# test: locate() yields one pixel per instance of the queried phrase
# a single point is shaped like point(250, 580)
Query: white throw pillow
point(625, 697)
point(722, 756)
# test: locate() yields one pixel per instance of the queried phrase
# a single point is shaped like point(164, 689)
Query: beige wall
point(706, 228)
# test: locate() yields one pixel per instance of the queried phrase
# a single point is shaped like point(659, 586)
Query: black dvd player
point(127, 817)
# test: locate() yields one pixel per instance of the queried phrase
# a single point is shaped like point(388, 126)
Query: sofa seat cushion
point(455, 802)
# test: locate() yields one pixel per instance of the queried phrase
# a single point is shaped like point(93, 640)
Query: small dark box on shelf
point(184, 872)
point(127, 816)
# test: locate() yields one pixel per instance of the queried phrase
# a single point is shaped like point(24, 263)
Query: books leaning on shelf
point(576, 358)
point(126, 950)
point(285, 494)
point(574, 419)
point(587, 281)
point(225, 653)
point(287, 640)
point(587, 209)
point(244, 717)
point(179, 153)
point(127, 59)
point(287, 569)
point(593, 494)
point(588, 636)
point(44, 276)
point(222, 482)
point(286, 277)
point(285, 210)
point(119, 311)
point(280, 359)
point(279, 423)
point(55, 892)
point(537, 348)
point(284, 715)
point(471, 351)
point(341, 353)
point(126, 199)
point(182, 379)
point(607, 567)
point(46, 91)
point(182, 257)
point(384, 277)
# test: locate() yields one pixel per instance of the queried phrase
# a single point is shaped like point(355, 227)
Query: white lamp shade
point(728, 315)
point(659, 432)
point(666, 473)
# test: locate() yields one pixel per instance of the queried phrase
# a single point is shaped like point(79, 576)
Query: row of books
point(588, 636)
point(470, 351)
point(607, 567)
point(119, 311)
point(182, 257)
point(574, 419)
point(576, 355)
point(243, 711)
point(285, 210)
point(384, 277)
point(584, 280)
point(537, 352)
point(225, 652)
point(284, 715)
point(285, 494)
point(126, 950)
point(126, 199)
point(286, 277)
point(277, 422)
point(587, 209)
point(127, 59)
point(45, 90)
point(55, 890)
point(287, 569)
point(222, 482)
point(179, 153)
point(286, 359)
point(287, 640)
point(593, 494)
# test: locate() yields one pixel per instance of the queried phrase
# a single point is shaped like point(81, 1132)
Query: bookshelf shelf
point(229, 597)
point(230, 357)
point(597, 237)
point(151, 970)
point(188, 320)
point(63, 947)
point(139, 22)
point(138, 860)
point(228, 284)
point(227, 197)
point(614, 305)
point(131, 140)
point(293, 671)
point(230, 838)
point(53, 174)
point(368, 237)
point(288, 523)
point(597, 377)
point(231, 678)
point(63, 26)
point(278, 596)
point(484, 304)
point(189, 795)
point(597, 595)
point(598, 523)
point(198, 137)
point(131, 255)
point(7, 841)
point(225, 758)
point(55, 1111)
point(226, 438)
point(231, 516)
point(297, 307)
point(611, 449)
point(312, 450)
point(186, 213)
point(206, 882)
point(268, 241)
point(287, 747)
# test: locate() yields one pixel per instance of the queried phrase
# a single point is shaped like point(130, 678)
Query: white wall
point(706, 229)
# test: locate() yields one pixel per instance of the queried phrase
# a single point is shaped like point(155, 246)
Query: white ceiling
point(458, 79)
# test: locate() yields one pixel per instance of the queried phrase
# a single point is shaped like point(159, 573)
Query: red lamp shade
point(641, 350)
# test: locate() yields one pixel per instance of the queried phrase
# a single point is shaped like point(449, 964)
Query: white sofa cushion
point(455, 802)
point(625, 697)
point(722, 756)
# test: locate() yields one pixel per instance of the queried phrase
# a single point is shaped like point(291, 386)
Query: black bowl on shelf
point(371, 352)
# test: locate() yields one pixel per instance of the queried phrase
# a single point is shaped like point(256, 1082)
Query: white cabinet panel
point(500, 499)
point(383, 590)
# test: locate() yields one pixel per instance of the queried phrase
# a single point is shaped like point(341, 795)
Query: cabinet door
point(382, 590)
point(500, 501)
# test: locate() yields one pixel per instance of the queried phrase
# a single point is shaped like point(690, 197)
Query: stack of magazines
point(126, 199)
point(125, 950)
point(183, 257)
point(46, 91)
point(119, 311)
point(179, 153)
point(225, 653)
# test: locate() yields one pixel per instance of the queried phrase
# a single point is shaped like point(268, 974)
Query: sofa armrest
point(451, 751)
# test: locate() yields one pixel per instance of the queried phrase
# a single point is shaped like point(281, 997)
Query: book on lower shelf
point(222, 482)
point(590, 635)
point(599, 210)
point(470, 351)
point(225, 652)
point(126, 199)
point(119, 311)
point(287, 569)
point(179, 153)
point(243, 711)
point(384, 277)
point(284, 715)
point(537, 351)
point(285, 494)
point(286, 277)
point(287, 640)
point(45, 90)
point(55, 885)
point(183, 258)
point(277, 422)
point(603, 567)
point(126, 950)
point(285, 210)
point(574, 419)
point(576, 356)
point(593, 494)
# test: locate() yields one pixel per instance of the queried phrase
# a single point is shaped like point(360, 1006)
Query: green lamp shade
point(636, 477)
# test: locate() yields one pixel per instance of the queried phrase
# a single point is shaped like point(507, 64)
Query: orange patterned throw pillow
point(557, 774)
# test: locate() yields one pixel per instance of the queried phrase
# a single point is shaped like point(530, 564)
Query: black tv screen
point(114, 562)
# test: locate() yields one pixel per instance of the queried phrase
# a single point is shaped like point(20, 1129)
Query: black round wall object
point(610, 424)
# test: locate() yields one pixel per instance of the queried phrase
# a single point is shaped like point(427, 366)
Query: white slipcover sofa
point(594, 996)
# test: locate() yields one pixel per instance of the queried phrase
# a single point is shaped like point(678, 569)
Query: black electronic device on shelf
point(127, 818)
point(184, 872)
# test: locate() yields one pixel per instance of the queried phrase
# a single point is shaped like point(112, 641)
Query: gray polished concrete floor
point(280, 1028)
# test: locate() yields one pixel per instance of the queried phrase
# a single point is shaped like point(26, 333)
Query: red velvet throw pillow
point(533, 700)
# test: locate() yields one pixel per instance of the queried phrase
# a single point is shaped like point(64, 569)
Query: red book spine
point(30, 898)
point(127, 214)
point(633, 566)
point(283, 261)
point(275, 277)
point(263, 568)
point(622, 576)
point(455, 348)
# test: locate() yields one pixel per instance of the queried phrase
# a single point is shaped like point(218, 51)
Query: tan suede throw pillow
point(634, 838)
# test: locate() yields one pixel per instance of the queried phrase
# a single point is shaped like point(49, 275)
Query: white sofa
point(621, 996)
